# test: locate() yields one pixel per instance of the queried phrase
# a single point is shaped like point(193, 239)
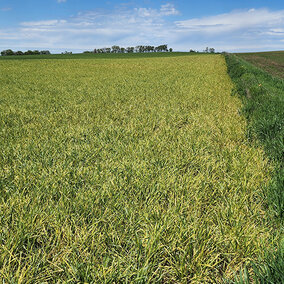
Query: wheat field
point(126, 171)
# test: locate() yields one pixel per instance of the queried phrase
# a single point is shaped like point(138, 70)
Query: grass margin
point(262, 96)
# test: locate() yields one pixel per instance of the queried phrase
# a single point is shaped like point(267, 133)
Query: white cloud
point(236, 20)
point(5, 9)
point(43, 23)
point(254, 29)
point(136, 26)
point(276, 32)
point(145, 12)
point(168, 9)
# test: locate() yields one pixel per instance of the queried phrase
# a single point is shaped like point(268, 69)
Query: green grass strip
point(97, 56)
point(263, 100)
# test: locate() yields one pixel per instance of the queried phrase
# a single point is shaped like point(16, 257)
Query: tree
point(130, 49)
point(115, 49)
point(7, 52)
point(206, 50)
point(162, 48)
point(149, 48)
point(19, 52)
point(46, 52)
point(139, 48)
point(29, 52)
point(212, 50)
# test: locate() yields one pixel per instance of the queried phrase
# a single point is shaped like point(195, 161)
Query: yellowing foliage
point(126, 170)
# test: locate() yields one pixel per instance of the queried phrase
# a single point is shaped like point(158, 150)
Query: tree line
point(10, 52)
point(209, 50)
point(113, 49)
point(131, 49)
point(206, 50)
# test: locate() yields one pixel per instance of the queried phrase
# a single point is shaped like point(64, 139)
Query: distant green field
point(97, 56)
point(272, 62)
point(127, 171)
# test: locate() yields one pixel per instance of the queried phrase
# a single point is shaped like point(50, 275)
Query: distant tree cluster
point(131, 49)
point(113, 49)
point(10, 52)
point(206, 50)
point(209, 50)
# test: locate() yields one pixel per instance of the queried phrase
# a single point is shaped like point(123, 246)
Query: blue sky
point(78, 25)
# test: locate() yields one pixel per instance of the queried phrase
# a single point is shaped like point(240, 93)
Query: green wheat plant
point(127, 171)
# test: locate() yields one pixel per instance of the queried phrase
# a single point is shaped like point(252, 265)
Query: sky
point(79, 25)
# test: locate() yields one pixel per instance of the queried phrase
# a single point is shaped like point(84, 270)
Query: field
point(98, 55)
point(134, 170)
point(272, 62)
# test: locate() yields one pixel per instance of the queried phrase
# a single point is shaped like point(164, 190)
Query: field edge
point(263, 108)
